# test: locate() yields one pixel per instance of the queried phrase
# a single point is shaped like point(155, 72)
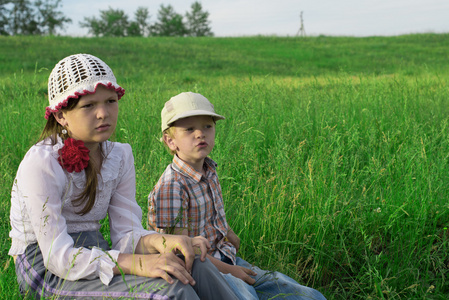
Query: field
point(333, 158)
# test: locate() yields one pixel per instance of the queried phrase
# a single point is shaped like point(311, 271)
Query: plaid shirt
point(184, 198)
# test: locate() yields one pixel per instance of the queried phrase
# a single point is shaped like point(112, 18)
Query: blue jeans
point(270, 285)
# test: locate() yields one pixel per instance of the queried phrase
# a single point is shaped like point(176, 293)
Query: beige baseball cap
point(186, 105)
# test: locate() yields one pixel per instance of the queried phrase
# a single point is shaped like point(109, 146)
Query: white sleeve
point(125, 215)
point(41, 182)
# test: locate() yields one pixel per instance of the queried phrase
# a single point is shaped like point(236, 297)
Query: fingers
point(180, 261)
point(247, 275)
point(164, 275)
point(249, 272)
point(200, 243)
point(186, 246)
point(249, 280)
point(203, 245)
point(244, 274)
point(170, 264)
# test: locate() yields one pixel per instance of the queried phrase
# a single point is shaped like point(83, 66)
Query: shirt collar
point(187, 170)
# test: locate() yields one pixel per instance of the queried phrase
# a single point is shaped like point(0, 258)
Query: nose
point(199, 133)
point(102, 112)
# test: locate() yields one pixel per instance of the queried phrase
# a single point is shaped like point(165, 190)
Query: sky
point(232, 18)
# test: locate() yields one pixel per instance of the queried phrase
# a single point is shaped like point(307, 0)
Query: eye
point(189, 129)
point(112, 100)
point(88, 105)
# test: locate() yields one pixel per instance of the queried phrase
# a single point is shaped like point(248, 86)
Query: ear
point(170, 142)
point(60, 118)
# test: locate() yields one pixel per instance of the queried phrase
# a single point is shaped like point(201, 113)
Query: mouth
point(202, 145)
point(103, 127)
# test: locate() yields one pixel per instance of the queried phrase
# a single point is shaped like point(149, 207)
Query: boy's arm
point(233, 239)
point(236, 271)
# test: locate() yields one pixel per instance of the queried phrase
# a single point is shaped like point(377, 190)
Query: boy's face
point(193, 139)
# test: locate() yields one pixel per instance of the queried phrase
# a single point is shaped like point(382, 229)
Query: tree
point(27, 18)
point(23, 19)
point(133, 29)
point(169, 23)
point(197, 21)
point(48, 16)
point(94, 26)
point(141, 16)
point(112, 22)
point(4, 13)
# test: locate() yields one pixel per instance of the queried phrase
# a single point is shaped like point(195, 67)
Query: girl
point(73, 178)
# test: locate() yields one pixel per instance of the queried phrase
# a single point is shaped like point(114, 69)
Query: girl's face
point(93, 119)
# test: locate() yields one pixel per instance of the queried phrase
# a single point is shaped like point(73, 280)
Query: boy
point(187, 200)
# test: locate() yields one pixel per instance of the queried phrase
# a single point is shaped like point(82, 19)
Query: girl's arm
point(40, 187)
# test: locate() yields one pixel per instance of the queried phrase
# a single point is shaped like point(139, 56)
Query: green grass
point(333, 157)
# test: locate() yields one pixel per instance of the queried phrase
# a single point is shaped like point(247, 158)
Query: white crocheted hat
point(75, 76)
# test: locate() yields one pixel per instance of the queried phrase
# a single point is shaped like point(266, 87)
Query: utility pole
point(301, 30)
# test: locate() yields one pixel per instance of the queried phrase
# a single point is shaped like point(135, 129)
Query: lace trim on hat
point(82, 92)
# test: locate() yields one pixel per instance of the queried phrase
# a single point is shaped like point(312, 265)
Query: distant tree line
point(43, 17)
point(114, 22)
point(23, 17)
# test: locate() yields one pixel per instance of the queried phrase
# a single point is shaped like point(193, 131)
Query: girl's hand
point(163, 243)
point(201, 246)
point(155, 265)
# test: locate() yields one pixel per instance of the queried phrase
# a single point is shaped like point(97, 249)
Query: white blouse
point(42, 211)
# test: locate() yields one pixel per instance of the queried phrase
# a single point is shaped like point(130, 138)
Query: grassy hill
point(333, 157)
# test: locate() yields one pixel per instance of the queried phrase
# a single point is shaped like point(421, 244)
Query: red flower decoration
point(73, 156)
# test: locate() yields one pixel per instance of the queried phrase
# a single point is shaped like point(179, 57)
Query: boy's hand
point(234, 239)
point(243, 273)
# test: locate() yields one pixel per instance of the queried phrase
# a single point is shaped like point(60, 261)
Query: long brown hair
point(87, 197)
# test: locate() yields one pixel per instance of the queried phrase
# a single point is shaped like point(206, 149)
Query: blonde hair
point(170, 131)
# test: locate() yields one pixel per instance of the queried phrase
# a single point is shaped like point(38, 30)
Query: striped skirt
point(35, 281)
